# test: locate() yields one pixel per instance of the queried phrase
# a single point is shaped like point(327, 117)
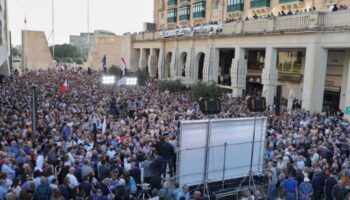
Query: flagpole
point(88, 27)
point(53, 30)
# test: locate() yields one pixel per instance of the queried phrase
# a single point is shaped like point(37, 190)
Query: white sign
point(189, 31)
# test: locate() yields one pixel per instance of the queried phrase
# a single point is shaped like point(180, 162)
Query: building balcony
point(290, 1)
point(197, 15)
point(184, 3)
point(184, 17)
point(171, 19)
point(172, 2)
point(259, 4)
point(305, 22)
point(235, 7)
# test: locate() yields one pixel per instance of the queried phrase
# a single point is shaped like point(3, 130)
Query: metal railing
point(316, 21)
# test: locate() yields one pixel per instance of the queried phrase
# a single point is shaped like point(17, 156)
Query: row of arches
point(198, 65)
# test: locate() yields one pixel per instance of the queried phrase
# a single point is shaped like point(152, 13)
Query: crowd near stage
point(88, 140)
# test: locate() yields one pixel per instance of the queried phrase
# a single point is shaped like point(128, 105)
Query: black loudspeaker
point(278, 100)
point(256, 104)
point(2, 79)
point(209, 105)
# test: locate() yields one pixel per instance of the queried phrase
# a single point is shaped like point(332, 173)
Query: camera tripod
point(145, 191)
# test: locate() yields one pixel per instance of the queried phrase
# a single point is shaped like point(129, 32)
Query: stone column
point(346, 105)
point(161, 63)
point(238, 72)
point(143, 59)
point(206, 65)
point(270, 75)
point(191, 66)
point(173, 64)
point(214, 70)
point(152, 63)
point(344, 84)
point(314, 78)
point(177, 66)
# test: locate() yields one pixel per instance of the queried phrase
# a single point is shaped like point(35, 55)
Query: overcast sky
point(118, 16)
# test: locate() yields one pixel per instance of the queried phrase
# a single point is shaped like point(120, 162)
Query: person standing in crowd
point(272, 181)
point(290, 187)
point(339, 192)
point(330, 183)
point(305, 190)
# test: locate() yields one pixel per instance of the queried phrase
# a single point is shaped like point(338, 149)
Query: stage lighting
point(108, 80)
point(131, 81)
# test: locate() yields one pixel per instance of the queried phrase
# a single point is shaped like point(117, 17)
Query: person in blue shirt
point(290, 187)
point(8, 170)
point(65, 132)
point(305, 190)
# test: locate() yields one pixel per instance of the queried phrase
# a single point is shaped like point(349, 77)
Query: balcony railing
point(199, 14)
point(290, 1)
point(171, 19)
point(172, 2)
point(314, 21)
point(184, 17)
point(260, 3)
point(235, 7)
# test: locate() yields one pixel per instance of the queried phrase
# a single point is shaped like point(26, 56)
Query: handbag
point(110, 196)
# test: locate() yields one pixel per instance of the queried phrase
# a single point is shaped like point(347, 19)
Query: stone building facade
point(242, 45)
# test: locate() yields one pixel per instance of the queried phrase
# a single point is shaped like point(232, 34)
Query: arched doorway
point(167, 65)
point(200, 65)
point(183, 60)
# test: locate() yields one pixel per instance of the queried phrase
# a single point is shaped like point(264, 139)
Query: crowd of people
point(93, 140)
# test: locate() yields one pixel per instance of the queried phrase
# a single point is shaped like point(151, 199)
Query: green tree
point(142, 76)
point(68, 60)
point(63, 51)
point(78, 61)
point(205, 90)
point(171, 86)
point(114, 70)
point(15, 52)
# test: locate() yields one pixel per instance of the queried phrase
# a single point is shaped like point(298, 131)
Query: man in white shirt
point(40, 160)
point(73, 181)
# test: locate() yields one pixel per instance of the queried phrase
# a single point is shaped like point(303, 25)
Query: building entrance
point(224, 75)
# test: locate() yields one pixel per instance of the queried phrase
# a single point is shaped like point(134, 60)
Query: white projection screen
point(237, 133)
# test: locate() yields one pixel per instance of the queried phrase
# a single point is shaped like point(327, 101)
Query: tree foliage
point(78, 61)
point(63, 51)
point(114, 70)
point(205, 90)
point(142, 76)
point(171, 86)
point(15, 52)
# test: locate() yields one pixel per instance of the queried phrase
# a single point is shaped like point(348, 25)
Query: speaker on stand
point(278, 100)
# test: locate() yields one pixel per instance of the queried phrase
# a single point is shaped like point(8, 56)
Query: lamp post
point(34, 114)
point(88, 28)
point(53, 29)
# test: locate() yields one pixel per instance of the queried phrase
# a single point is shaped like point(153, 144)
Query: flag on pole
point(104, 63)
point(123, 66)
point(63, 88)
point(25, 22)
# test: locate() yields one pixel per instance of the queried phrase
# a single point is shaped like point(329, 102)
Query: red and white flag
point(63, 88)
point(123, 66)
